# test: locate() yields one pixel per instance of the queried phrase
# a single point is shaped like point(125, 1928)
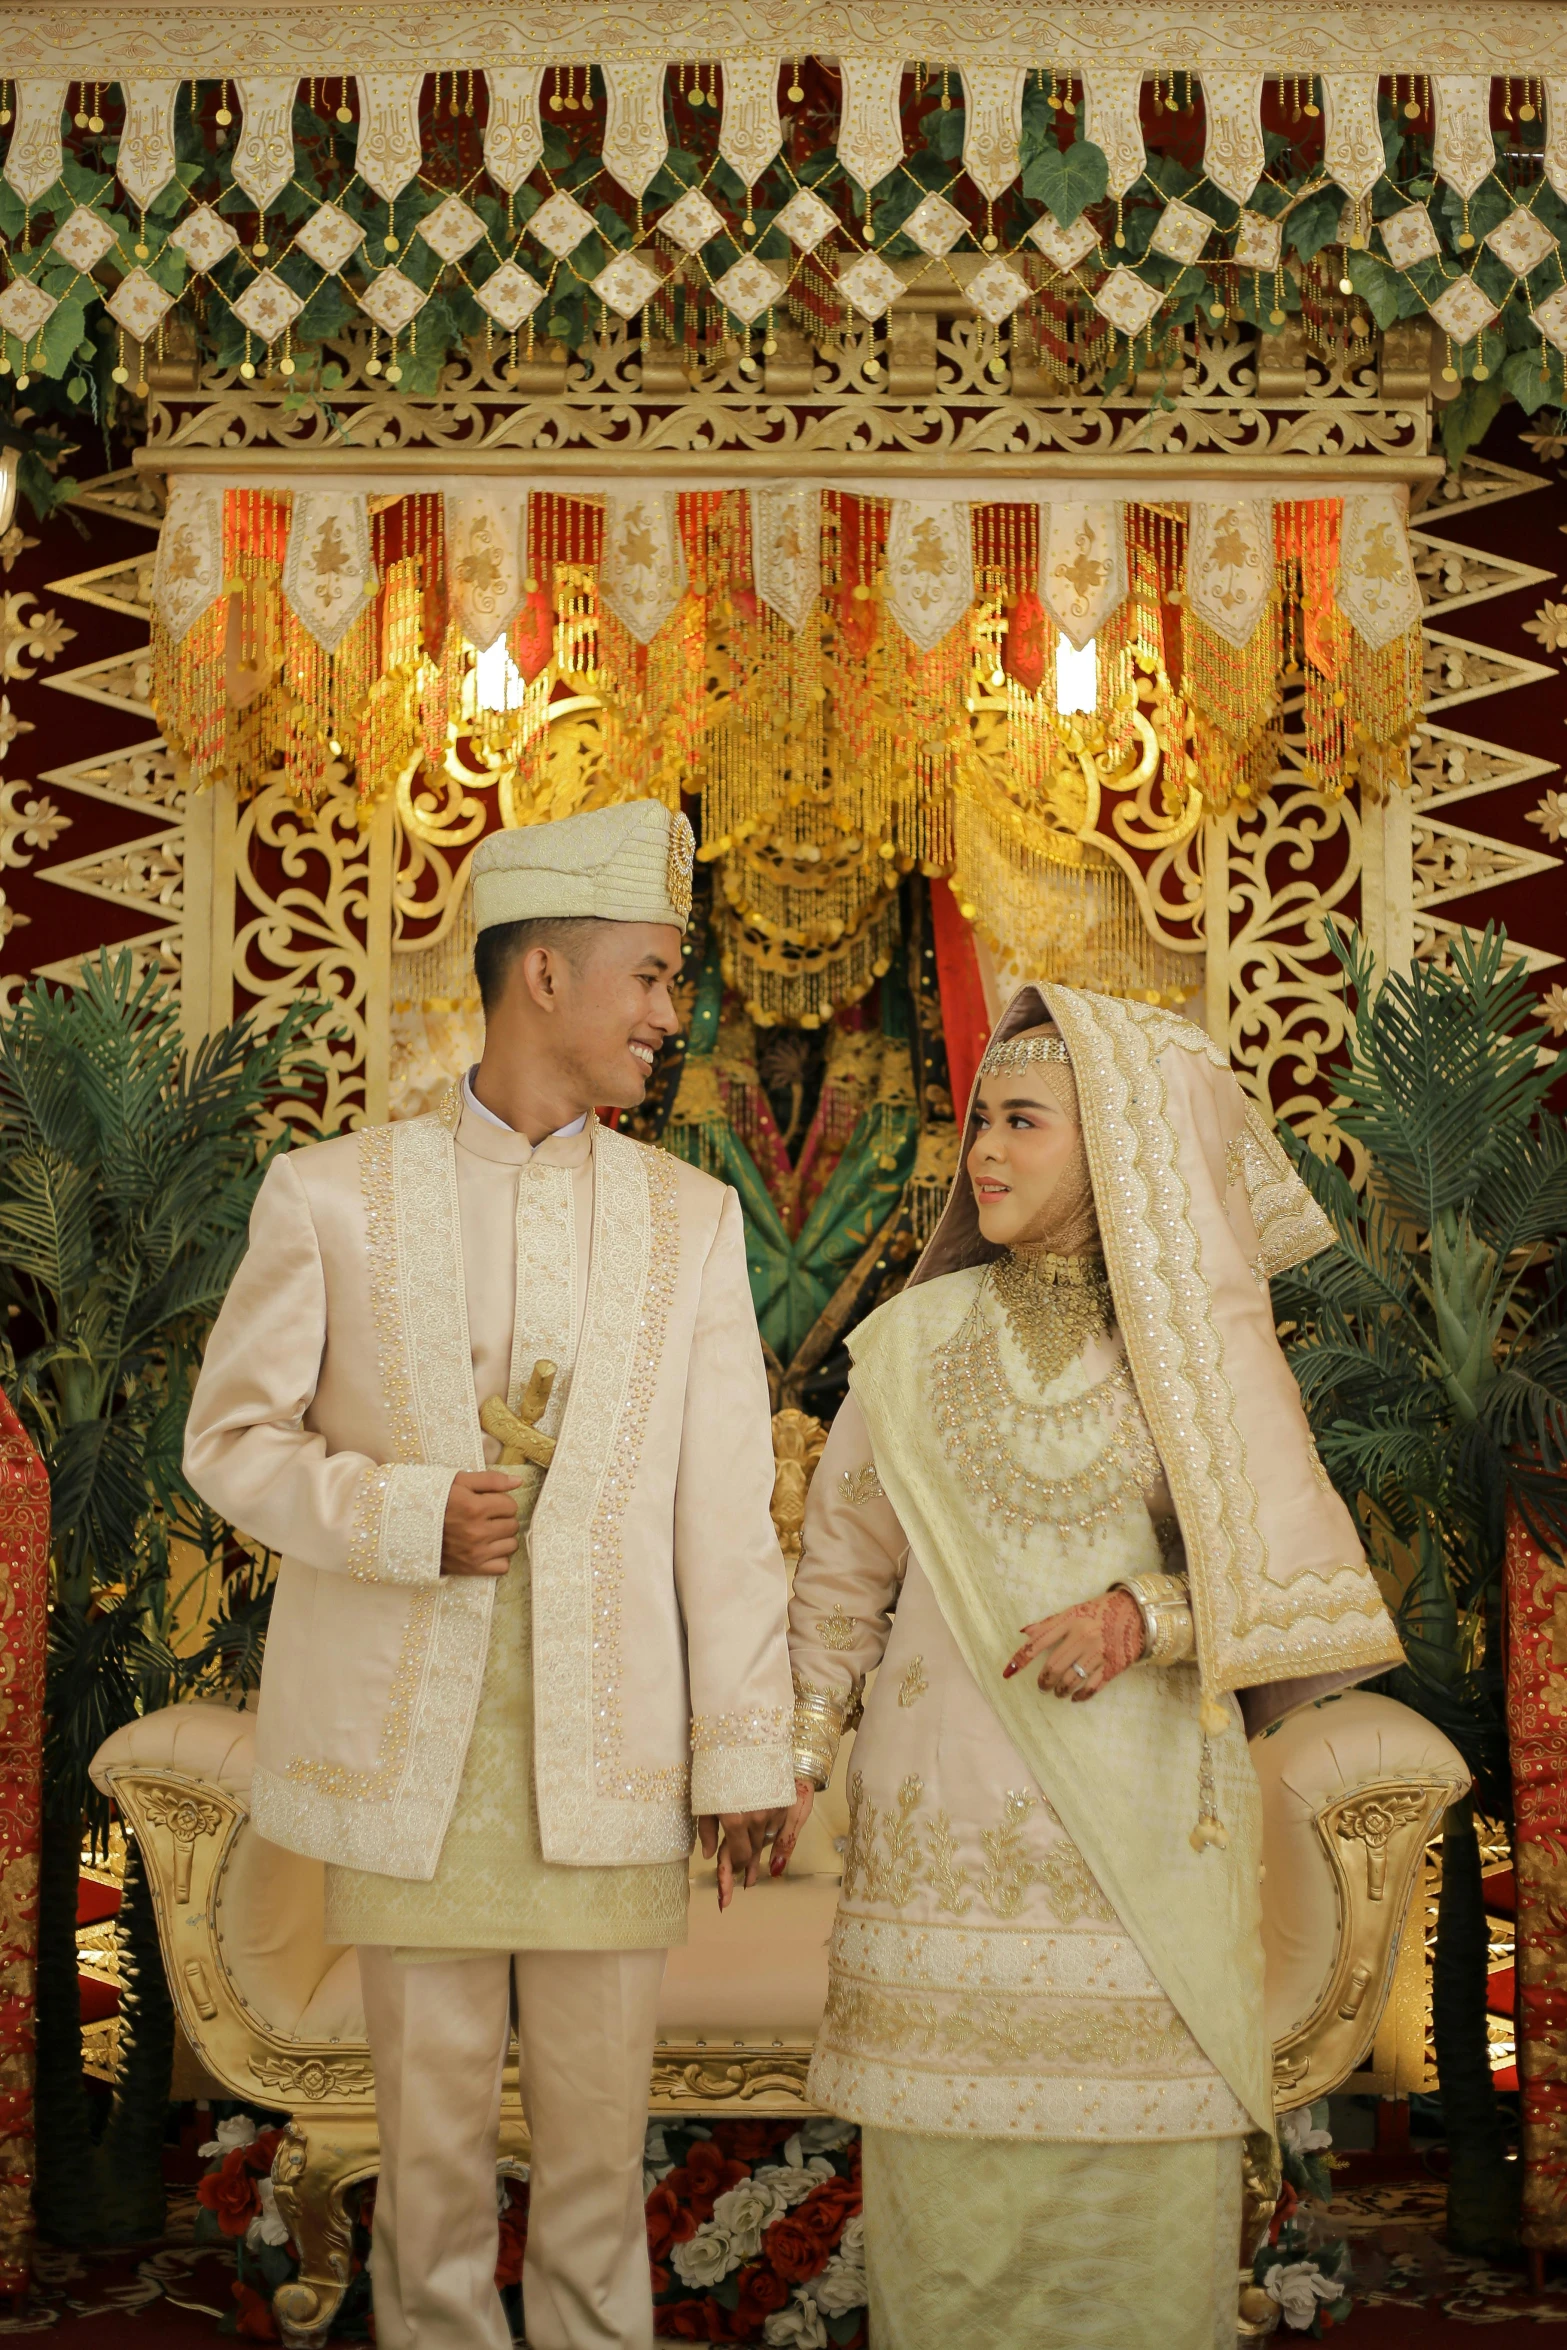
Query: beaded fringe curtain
point(851, 686)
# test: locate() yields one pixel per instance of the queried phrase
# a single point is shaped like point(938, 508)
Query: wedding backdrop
point(1075, 495)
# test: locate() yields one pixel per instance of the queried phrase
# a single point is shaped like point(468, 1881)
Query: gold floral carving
point(1443, 36)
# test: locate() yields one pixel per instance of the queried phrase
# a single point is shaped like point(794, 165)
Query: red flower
point(661, 2279)
point(1283, 2210)
point(828, 2208)
point(255, 2322)
point(705, 2174)
point(795, 2249)
point(762, 2290)
point(688, 2321)
point(258, 2154)
point(668, 2220)
point(230, 2191)
point(513, 2235)
point(754, 2141)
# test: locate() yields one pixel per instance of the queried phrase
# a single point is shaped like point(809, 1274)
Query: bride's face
point(1023, 1144)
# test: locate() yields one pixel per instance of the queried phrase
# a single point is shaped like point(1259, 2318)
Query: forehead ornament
point(1019, 1051)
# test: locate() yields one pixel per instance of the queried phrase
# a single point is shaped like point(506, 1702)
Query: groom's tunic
point(524, 1755)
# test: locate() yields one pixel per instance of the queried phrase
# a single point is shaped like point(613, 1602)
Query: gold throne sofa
point(1352, 1790)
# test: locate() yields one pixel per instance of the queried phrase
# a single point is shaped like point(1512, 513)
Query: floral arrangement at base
point(755, 2233)
point(1306, 2273)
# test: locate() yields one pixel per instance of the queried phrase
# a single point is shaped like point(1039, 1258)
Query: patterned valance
point(1079, 204)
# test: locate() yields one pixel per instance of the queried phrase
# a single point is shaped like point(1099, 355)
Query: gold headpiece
point(1018, 1051)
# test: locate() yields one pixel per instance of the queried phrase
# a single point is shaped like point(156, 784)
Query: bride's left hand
point(1083, 1647)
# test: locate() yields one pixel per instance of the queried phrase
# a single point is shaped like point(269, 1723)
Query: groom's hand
point(746, 1834)
point(480, 1532)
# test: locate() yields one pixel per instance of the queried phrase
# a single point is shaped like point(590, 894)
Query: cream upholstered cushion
point(1308, 1759)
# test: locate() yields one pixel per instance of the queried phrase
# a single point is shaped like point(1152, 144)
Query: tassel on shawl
point(1213, 1720)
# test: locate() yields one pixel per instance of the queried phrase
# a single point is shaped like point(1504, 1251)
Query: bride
point(1069, 1508)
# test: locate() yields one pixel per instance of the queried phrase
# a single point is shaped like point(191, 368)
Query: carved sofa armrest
point(1353, 1788)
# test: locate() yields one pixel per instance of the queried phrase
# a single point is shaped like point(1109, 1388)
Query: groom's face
point(609, 1007)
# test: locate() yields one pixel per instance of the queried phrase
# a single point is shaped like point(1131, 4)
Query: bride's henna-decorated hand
point(1100, 1636)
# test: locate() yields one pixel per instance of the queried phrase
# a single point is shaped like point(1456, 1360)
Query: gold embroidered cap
point(627, 864)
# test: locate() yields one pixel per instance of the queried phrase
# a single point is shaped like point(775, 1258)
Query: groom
point(489, 1381)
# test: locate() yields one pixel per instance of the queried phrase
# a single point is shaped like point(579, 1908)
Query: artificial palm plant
point(1431, 1349)
point(127, 1171)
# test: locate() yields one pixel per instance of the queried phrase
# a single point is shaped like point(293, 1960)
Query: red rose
point(513, 2242)
point(258, 2154)
point(661, 2278)
point(705, 2174)
point(687, 2321)
point(255, 2322)
point(755, 2141)
point(1283, 2210)
point(795, 2249)
point(762, 2291)
point(230, 2191)
point(828, 2208)
point(668, 2220)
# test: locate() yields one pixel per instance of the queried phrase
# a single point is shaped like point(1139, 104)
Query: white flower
point(1296, 2134)
point(746, 2210)
point(840, 2286)
point(238, 2130)
point(708, 2256)
point(1297, 2286)
point(851, 2246)
point(796, 2328)
point(794, 2180)
point(269, 2226)
point(824, 2136)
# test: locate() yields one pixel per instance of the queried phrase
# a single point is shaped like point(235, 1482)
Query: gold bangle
point(1164, 1603)
point(819, 1716)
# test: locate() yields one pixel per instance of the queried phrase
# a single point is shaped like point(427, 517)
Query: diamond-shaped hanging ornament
point(204, 237)
point(1065, 247)
point(1182, 232)
point(996, 291)
point(139, 304)
point(83, 239)
point(452, 229)
point(328, 237)
point(1409, 236)
point(1551, 318)
point(935, 225)
point(25, 308)
point(560, 224)
point(870, 286)
point(1127, 300)
point(509, 295)
point(1462, 311)
point(392, 300)
point(692, 223)
point(268, 306)
point(748, 288)
point(1522, 240)
point(1259, 241)
point(805, 220)
point(627, 285)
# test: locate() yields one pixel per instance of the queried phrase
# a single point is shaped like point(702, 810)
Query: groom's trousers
point(438, 2030)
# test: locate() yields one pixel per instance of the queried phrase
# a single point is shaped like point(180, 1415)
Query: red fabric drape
point(24, 1594)
point(963, 1013)
point(1537, 1734)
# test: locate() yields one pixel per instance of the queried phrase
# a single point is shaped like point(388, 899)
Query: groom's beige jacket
point(336, 1402)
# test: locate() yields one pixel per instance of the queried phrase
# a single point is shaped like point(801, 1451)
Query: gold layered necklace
point(982, 1421)
point(1054, 1306)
